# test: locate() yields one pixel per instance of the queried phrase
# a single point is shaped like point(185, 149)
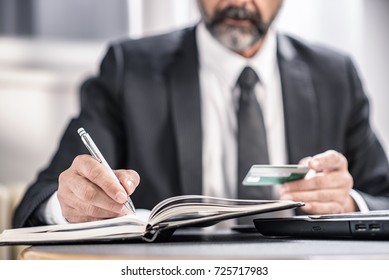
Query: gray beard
point(235, 38)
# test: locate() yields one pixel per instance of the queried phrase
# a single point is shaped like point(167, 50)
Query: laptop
point(371, 225)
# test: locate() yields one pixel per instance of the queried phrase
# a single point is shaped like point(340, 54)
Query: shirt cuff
point(51, 213)
point(359, 201)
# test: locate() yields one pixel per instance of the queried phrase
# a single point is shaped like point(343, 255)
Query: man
point(169, 108)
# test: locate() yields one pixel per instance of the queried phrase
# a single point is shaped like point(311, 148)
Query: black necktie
point(252, 143)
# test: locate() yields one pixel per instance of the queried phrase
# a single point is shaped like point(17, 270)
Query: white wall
point(147, 17)
point(85, 19)
point(39, 82)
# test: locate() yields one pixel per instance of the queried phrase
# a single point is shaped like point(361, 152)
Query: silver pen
point(95, 152)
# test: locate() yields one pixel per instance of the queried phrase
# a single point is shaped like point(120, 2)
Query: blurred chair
point(39, 85)
point(4, 219)
point(10, 197)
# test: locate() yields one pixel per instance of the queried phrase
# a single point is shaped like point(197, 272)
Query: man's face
point(238, 24)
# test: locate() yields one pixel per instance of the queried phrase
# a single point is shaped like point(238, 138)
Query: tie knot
point(248, 79)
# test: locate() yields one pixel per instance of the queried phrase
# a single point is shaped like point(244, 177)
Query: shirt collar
point(228, 64)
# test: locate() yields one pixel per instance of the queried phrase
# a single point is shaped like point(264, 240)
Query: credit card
point(264, 175)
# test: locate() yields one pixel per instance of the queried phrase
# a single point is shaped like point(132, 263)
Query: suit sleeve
point(100, 116)
point(367, 159)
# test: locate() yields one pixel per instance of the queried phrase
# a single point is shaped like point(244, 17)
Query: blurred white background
point(47, 47)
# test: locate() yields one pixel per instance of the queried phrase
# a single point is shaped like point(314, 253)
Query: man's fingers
point(319, 181)
point(76, 211)
point(324, 195)
point(327, 188)
point(95, 172)
point(95, 199)
point(327, 161)
point(305, 161)
point(322, 207)
point(87, 191)
point(74, 216)
point(84, 194)
point(129, 179)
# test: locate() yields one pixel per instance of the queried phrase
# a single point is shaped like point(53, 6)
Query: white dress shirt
point(219, 72)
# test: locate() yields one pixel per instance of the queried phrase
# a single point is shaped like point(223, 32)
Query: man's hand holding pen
point(90, 190)
point(87, 191)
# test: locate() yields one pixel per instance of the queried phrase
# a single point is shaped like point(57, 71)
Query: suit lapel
point(182, 77)
point(300, 103)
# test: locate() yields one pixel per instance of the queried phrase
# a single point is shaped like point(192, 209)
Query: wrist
point(350, 205)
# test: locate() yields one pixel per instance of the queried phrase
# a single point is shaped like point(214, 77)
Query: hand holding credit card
point(264, 175)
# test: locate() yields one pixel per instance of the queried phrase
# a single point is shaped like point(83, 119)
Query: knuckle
point(350, 180)
point(69, 216)
point(63, 186)
point(131, 175)
point(305, 160)
point(321, 195)
point(61, 180)
point(93, 172)
point(114, 207)
point(134, 176)
point(325, 195)
point(346, 194)
point(87, 167)
point(312, 207)
point(78, 161)
point(122, 175)
point(336, 208)
point(295, 186)
point(92, 211)
point(292, 196)
point(87, 193)
point(61, 196)
point(333, 157)
point(343, 162)
point(320, 181)
point(119, 173)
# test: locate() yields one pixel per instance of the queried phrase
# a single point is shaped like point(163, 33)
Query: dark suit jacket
point(143, 111)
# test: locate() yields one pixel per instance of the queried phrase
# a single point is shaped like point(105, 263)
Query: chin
point(235, 38)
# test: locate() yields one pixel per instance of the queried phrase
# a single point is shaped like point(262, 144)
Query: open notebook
point(162, 221)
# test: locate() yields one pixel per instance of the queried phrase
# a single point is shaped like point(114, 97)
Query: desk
point(217, 245)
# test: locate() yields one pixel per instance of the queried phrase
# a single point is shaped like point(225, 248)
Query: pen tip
point(130, 206)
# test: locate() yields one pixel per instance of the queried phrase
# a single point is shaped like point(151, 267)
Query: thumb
point(129, 179)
